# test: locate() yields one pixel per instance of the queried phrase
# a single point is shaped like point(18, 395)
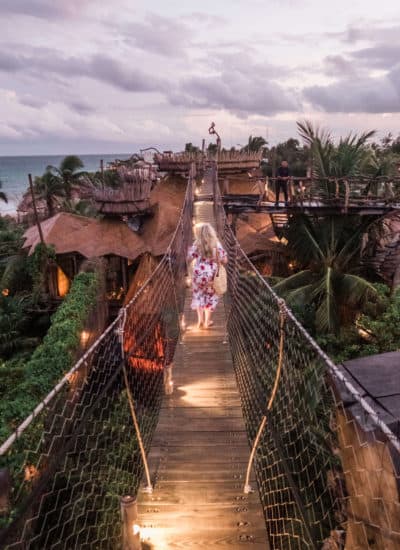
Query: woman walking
point(207, 254)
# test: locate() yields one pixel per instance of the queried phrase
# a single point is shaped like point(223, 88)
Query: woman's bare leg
point(200, 317)
point(207, 320)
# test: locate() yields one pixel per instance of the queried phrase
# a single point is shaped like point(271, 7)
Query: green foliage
point(296, 156)
point(81, 208)
point(385, 328)
point(254, 144)
point(13, 263)
point(327, 252)
point(53, 358)
point(50, 189)
point(190, 148)
point(68, 173)
point(38, 266)
point(13, 325)
point(376, 330)
point(349, 158)
point(3, 196)
point(109, 178)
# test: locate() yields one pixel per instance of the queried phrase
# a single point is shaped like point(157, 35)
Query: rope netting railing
point(328, 469)
point(352, 191)
point(72, 460)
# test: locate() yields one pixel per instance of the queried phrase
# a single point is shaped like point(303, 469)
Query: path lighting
point(84, 338)
point(130, 526)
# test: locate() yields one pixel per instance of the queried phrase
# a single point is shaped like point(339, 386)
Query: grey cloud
point(81, 107)
point(160, 35)
point(370, 31)
point(32, 101)
point(237, 83)
point(98, 67)
point(36, 8)
point(381, 56)
point(369, 95)
point(338, 65)
point(43, 9)
point(243, 63)
point(234, 92)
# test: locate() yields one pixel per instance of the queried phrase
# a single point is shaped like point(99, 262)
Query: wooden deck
point(200, 449)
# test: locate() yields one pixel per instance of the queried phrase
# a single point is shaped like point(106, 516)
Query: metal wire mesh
point(71, 464)
point(327, 468)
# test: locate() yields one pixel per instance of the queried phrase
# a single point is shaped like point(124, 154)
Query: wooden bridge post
point(130, 527)
point(5, 490)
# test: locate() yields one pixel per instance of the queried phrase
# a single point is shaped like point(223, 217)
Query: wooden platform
point(200, 449)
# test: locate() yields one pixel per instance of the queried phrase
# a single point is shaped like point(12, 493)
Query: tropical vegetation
point(51, 189)
point(326, 253)
point(3, 196)
point(68, 173)
point(50, 360)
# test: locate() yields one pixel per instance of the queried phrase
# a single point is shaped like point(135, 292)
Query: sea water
point(14, 173)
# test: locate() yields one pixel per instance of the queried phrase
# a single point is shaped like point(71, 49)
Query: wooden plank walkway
point(200, 449)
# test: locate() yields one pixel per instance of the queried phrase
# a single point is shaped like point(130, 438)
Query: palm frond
point(326, 315)
point(354, 288)
point(295, 281)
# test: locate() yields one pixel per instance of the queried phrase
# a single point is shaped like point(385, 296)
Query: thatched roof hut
point(229, 162)
point(166, 201)
point(88, 236)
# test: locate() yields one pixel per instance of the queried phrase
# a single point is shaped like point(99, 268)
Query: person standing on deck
point(205, 253)
point(282, 182)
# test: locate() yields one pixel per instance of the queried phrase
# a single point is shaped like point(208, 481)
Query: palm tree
point(254, 144)
point(49, 188)
point(83, 207)
point(3, 196)
point(327, 252)
point(349, 158)
point(68, 172)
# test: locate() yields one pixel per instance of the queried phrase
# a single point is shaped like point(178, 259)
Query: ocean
point(14, 173)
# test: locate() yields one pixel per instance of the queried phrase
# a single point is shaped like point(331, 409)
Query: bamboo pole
point(282, 317)
point(35, 209)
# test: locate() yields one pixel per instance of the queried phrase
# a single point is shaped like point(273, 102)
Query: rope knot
point(282, 309)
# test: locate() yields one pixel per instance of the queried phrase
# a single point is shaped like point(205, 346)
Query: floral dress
point(204, 271)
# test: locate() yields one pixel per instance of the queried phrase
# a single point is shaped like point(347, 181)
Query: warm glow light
point(155, 536)
point(364, 334)
point(136, 529)
point(63, 283)
point(30, 472)
point(5, 292)
point(84, 337)
point(72, 377)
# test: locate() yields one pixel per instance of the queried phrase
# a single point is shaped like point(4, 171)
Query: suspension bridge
point(243, 436)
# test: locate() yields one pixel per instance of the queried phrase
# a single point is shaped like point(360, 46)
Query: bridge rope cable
point(74, 457)
point(323, 458)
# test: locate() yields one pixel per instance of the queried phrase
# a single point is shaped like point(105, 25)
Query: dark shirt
point(283, 172)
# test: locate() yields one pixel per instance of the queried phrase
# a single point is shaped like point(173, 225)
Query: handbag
point(220, 279)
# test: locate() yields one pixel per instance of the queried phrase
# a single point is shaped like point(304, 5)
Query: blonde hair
point(206, 240)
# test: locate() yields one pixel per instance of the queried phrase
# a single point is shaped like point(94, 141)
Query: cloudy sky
point(98, 76)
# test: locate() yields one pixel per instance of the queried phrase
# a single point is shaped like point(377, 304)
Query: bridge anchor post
point(130, 527)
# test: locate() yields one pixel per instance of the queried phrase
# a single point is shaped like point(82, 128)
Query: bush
point(52, 359)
